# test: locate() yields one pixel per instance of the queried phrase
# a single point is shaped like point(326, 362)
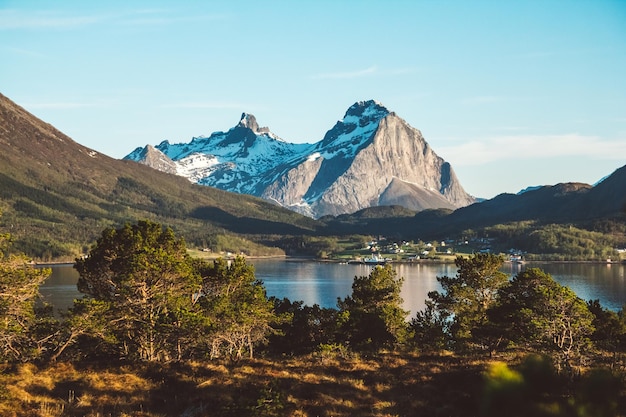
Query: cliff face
point(156, 159)
point(394, 165)
point(369, 158)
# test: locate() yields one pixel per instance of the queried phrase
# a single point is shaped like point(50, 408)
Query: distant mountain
point(56, 196)
point(370, 158)
point(560, 203)
point(235, 160)
point(158, 160)
point(567, 203)
point(608, 197)
point(531, 188)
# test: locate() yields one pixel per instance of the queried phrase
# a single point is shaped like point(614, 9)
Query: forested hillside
point(57, 195)
point(562, 222)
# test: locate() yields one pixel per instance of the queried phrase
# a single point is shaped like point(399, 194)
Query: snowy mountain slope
point(394, 150)
point(232, 160)
point(370, 157)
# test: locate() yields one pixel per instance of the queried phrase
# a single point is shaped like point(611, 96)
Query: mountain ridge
point(595, 208)
point(56, 195)
point(347, 170)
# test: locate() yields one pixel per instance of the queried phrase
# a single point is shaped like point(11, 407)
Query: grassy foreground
point(387, 385)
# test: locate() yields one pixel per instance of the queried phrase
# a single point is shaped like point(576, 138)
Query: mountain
point(233, 161)
point(56, 196)
point(370, 158)
point(157, 160)
point(589, 207)
point(574, 203)
point(608, 197)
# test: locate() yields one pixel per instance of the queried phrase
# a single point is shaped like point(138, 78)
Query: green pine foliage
point(237, 306)
point(302, 329)
point(155, 303)
point(430, 328)
point(480, 310)
point(609, 327)
point(21, 322)
point(466, 298)
point(144, 276)
point(534, 311)
point(165, 332)
point(372, 317)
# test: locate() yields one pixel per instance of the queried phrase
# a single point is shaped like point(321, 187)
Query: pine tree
point(237, 308)
point(144, 275)
point(467, 297)
point(372, 317)
point(537, 312)
point(20, 338)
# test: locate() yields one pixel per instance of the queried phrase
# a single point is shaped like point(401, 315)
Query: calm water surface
point(321, 283)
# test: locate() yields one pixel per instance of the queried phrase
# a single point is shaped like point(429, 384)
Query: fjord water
point(322, 282)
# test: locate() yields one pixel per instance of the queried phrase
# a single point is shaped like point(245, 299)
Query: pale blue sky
point(511, 93)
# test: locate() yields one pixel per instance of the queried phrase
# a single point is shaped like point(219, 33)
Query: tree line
point(146, 299)
point(561, 241)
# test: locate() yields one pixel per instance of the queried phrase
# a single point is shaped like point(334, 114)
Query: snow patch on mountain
point(314, 156)
point(351, 133)
point(347, 170)
point(196, 166)
point(601, 180)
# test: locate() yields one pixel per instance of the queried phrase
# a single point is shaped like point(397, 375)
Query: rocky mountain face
point(157, 160)
point(370, 158)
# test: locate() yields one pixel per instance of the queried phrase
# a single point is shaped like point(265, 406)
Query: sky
point(512, 93)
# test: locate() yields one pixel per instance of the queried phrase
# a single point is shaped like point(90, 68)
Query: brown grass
point(387, 385)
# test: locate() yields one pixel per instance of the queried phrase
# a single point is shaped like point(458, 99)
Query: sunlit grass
point(117, 382)
point(387, 384)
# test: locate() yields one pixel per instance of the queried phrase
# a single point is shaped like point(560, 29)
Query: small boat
point(374, 260)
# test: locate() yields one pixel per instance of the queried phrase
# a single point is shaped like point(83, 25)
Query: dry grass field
point(386, 385)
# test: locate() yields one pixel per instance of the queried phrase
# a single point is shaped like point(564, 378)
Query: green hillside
point(56, 196)
point(561, 222)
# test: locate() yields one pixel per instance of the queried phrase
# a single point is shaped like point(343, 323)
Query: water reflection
point(59, 289)
point(321, 283)
point(605, 282)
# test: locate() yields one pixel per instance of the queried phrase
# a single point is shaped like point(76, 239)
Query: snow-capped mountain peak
point(349, 169)
point(365, 112)
point(354, 131)
point(249, 121)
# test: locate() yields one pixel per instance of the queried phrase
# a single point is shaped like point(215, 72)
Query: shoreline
point(288, 258)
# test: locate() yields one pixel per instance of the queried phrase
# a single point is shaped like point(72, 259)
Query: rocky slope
point(370, 158)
